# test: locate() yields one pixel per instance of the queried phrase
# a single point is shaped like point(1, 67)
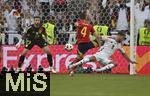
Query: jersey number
point(83, 31)
point(112, 46)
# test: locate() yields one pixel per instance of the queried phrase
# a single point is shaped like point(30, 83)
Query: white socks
point(109, 66)
point(84, 60)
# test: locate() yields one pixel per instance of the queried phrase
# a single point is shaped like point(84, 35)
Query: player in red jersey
point(84, 30)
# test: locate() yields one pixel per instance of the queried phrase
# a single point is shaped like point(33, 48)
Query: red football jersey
point(84, 30)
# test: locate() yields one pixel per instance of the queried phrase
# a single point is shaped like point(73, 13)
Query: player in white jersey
point(103, 55)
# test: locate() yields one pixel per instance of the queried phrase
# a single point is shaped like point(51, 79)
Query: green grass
point(100, 85)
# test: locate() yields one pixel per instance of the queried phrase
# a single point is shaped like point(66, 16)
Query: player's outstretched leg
point(78, 58)
point(84, 60)
point(106, 67)
point(49, 58)
point(21, 59)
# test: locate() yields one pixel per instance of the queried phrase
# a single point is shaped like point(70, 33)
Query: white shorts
point(102, 58)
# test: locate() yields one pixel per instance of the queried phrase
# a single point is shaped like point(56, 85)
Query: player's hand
point(76, 24)
point(134, 62)
point(17, 45)
point(47, 41)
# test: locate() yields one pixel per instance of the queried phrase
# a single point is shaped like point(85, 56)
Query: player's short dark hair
point(83, 14)
point(121, 33)
point(148, 21)
point(37, 17)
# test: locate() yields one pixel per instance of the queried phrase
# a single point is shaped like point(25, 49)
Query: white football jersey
point(110, 46)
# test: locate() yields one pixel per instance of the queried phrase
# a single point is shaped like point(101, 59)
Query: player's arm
point(104, 38)
point(126, 56)
point(45, 34)
point(54, 36)
point(98, 37)
point(23, 37)
point(76, 24)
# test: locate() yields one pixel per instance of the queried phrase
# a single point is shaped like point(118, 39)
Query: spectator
point(72, 35)
point(144, 33)
point(2, 22)
point(94, 13)
point(12, 20)
point(7, 9)
point(25, 6)
point(59, 5)
point(142, 12)
point(112, 13)
point(17, 6)
point(67, 29)
point(26, 21)
point(106, 9)
point(121, 17)
point(34, 11)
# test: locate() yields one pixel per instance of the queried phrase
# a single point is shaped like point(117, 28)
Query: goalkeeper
point(35, 35)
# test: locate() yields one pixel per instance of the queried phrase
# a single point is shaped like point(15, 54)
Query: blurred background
point(109, 15)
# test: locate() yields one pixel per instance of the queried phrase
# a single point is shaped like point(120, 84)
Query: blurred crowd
point(17, 15)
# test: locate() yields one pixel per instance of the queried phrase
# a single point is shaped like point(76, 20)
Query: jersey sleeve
point(121, 48)
point(44, 31)
point(105, 38)
point(29, 29)
point(78, 23)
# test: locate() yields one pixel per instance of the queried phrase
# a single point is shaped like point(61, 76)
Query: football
point(68, 47)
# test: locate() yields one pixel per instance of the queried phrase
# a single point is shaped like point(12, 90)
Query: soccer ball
point(68, 47)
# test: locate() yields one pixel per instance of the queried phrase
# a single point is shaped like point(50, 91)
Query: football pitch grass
point(100, 85)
